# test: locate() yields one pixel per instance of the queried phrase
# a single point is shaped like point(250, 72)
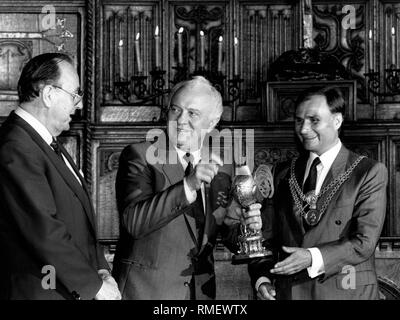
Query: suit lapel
point(173, 171)
point(89, 207)
point(339, 166)
point(61, 167)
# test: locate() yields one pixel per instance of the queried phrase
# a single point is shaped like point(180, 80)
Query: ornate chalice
point(244, 189)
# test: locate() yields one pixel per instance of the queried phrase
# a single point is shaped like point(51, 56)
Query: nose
point(183, 117)
point(79, 106)
point(305, 127)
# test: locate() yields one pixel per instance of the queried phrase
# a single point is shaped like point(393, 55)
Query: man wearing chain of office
point(329, 209)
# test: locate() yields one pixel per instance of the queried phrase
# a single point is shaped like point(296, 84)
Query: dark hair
point(42, 69)
point(333, 95)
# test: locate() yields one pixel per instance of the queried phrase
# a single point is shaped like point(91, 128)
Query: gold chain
point(298, 195)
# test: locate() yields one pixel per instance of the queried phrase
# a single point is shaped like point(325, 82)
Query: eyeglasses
point(77, 97)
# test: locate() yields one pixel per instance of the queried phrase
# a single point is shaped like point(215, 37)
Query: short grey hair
point(195, 82)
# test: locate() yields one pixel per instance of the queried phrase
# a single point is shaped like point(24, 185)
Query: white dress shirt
point(43, 132)
point(317, 264)
point(191, 195)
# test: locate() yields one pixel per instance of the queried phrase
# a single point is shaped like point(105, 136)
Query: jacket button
point(75, 295)
point(186, 284)
point(338, 222)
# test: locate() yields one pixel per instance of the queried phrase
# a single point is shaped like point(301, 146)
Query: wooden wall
point(117, 113)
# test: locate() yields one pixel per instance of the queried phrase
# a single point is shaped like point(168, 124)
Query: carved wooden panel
point(347, 45)
point(107, 214)
point(264, 32)
point(279, 98)
point(26, 32)
point(106, 147)
point(194, 17)
point(395, 186)
point(352, 47)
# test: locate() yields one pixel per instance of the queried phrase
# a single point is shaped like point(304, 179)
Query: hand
point(266, 291)
point(204, 172)
point(219, 215)
point(252, 217)
point(299, 259)
point(109, 290)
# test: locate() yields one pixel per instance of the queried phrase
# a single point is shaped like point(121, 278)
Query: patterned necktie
point(198, 211)
point(56, 147)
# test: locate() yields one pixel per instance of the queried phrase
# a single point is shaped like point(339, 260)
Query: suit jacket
point(346, 235)
point(159, 255)
point(46, 219)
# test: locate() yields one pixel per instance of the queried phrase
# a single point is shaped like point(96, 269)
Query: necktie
point(198, 211)
point(68, 161)
point(311, 181)
point(310, 185)
point(56, 147)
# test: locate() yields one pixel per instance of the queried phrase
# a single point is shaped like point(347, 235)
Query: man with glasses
point(77, 97)
point(47, 221)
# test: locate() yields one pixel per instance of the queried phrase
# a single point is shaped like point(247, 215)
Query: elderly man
point(48, 232)
point(170, 211)
point(330, 208)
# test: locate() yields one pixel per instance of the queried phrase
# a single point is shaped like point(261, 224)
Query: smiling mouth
point(309, 138)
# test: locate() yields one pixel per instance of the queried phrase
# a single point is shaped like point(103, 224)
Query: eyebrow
point(188, 109)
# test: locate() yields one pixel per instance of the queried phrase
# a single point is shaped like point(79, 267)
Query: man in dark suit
point(329, 211)
point(171, 198)
point(47, 222)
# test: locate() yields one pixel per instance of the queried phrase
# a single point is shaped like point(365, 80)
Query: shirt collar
point(35, 124)
point(196, 156)
point(327, 157)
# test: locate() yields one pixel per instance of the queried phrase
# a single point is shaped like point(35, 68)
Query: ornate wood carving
point(13, 56)
point(124, 23)
point(280, 96)
point(346, 45)
point(23, 36)
point(106, 202)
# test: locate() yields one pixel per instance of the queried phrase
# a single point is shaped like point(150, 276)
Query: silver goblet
point(244, 191)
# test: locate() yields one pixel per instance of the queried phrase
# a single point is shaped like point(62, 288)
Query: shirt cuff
point(190, 195)
point(317, 265)
point(260, 281)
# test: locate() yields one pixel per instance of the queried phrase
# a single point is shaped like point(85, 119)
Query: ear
point(212, 124)
point(46, 95)
point(338, 120)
